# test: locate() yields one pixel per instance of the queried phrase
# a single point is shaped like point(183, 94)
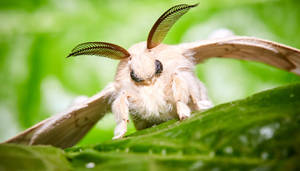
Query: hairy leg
point(197, 91)
point(120, 111)
point(181, 95)
point(199, 94)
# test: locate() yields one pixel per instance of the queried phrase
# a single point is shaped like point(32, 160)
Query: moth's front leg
point(120, 111)
point(199, 96)
point(181, 95)
point(197, 92)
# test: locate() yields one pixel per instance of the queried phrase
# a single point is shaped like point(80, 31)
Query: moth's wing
point(245, 48)
point(66, 129)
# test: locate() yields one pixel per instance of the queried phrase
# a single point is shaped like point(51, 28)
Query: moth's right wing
point(66, 129)
point(245, 48)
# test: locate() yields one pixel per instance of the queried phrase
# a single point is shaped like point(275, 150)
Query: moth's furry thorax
point(152, 102)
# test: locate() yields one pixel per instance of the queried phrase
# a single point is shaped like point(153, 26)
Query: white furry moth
point(154, 82)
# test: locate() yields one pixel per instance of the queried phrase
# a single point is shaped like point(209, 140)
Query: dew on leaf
point(228, 150)
point(197, 165)
point(266, 132)
point(90, 165)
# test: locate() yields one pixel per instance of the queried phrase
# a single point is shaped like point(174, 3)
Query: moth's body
point(171, 94)
point(154, 82)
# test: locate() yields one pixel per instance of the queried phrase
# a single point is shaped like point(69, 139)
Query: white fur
point(158, 98)
point(150, 102)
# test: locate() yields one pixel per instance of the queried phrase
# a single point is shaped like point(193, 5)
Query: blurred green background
point(37, 80)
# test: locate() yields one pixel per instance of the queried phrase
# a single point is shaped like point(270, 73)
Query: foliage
point(260, 132)
point(19, 157)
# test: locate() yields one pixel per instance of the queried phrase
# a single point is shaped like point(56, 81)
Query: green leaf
point(260, 132)
point(20, 157)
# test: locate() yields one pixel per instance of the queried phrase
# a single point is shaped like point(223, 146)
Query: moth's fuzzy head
point(143, 65)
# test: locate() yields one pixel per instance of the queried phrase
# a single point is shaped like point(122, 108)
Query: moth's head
point(143, 63)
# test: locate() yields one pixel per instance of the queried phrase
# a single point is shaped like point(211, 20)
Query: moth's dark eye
point(158, 67)
point(134, 77)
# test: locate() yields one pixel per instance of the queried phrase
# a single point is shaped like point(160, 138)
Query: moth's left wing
point(245, 48)
point(66, 129)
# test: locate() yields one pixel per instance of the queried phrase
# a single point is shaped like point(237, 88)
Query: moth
point(154, 82)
